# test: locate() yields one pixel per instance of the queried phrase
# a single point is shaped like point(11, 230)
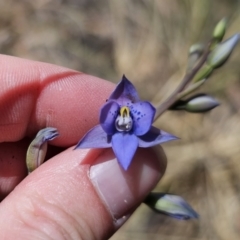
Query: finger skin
point(58, 200)
point(12, 166)
point(36, 95)
point(41, 208)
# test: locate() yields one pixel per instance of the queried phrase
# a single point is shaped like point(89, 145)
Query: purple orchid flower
point(125, 125)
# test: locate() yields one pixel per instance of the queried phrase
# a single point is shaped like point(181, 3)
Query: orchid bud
point(200, 103)
point(196, 104)
point(222, 51)
point(195, 52)
point(196, 48)
point(220, 29)
point(38, 147)
point(170, 205)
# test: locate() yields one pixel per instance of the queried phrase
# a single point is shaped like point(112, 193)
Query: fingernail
point(121, 190)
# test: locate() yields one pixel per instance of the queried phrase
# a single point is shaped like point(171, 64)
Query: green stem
point(161, 108)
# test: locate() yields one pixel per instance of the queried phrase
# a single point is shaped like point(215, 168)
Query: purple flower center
point(124, 122)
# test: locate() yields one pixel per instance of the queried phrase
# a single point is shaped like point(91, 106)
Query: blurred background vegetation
point(148, 41)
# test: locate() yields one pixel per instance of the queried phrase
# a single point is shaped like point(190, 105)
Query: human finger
point(36, 95)
point(79, 194)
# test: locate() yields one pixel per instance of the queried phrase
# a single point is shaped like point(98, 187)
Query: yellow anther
point(124, 112)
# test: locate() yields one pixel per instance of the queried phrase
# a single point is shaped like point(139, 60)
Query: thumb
point(81, 194)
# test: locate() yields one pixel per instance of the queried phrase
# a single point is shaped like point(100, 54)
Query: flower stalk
point(161, 108)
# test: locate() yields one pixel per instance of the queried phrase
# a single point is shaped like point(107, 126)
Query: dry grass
point(148, 41)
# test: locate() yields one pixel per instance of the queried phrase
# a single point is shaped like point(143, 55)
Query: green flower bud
point(170, 205)
point(222, 51)
point(200, 103)
point(196, 48)
point(195, 52)
point(38, 147)
point(220, 29)
point(196, 104)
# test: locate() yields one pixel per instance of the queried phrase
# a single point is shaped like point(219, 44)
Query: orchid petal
point(171, 205)
point(108, 115)
point(47, 134)
point(125, 93)
point(143, 114)
point(154, 137)
point(124, 146)
point(95, 138)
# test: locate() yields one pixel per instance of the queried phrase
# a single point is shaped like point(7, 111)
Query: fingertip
point(79, 199)
point(36, 95)
point(123, 190)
